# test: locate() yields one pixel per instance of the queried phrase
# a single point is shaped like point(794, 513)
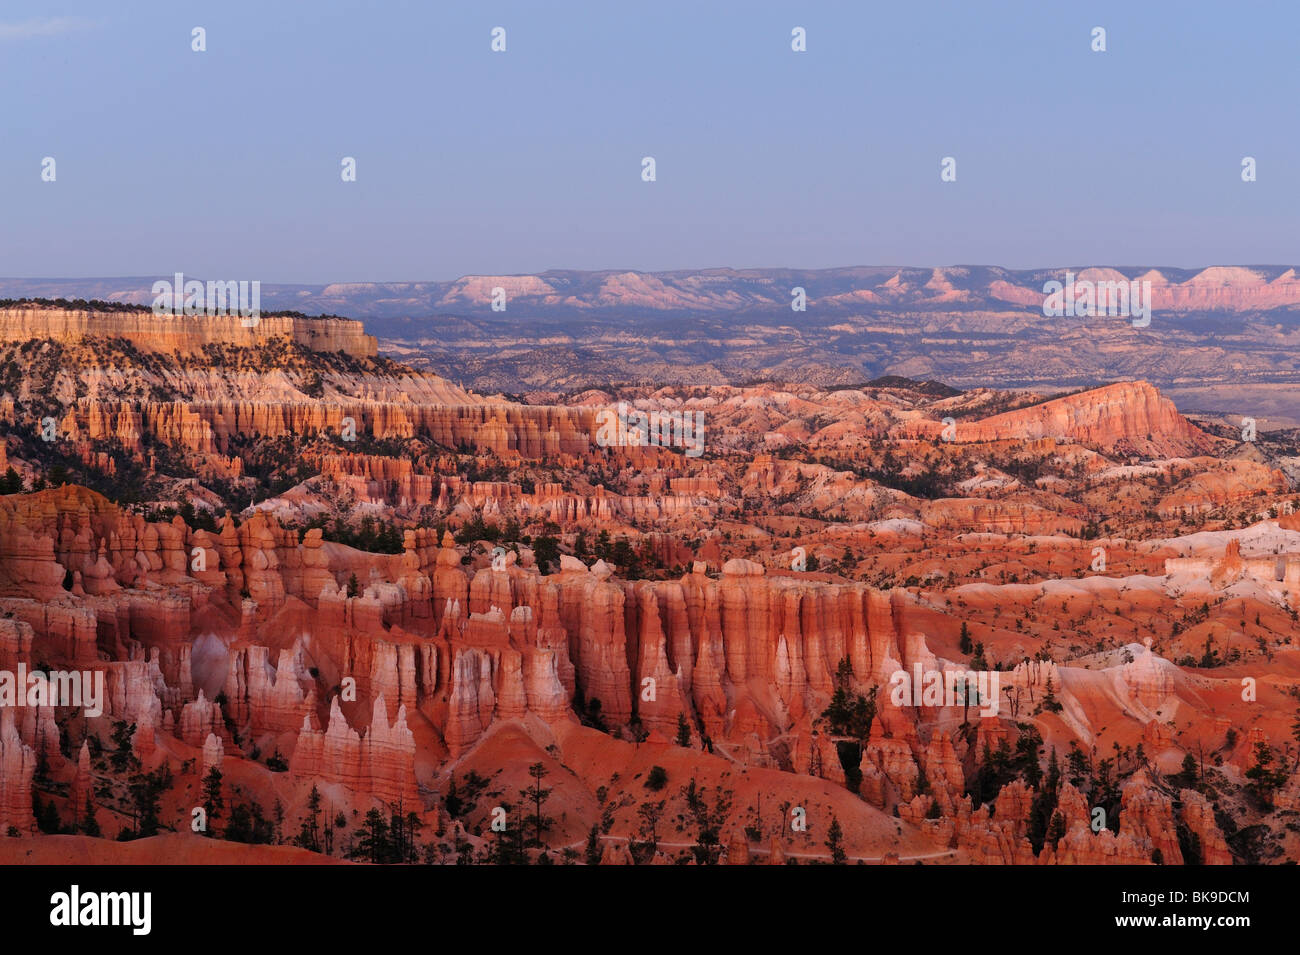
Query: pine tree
point(145, 789)
point(537, 795)
point(1263, 779)
point(650, 813)
point(371, 840)
point(965, 645)
point(212, 801)
point(313, 810)
point(684, 730)
point(46, 815)
point(835, 843)
point(452, 801)
point(1050, 702)
point(309, 832)
point(89, 826)
point(1044, 805)
point(593, 850)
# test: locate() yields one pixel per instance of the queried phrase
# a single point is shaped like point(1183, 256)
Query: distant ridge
point(936, 389)
point(1222, 338)
point(848, 289)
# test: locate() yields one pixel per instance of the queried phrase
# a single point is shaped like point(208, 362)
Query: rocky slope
point(476, 594)
point(1127, 416)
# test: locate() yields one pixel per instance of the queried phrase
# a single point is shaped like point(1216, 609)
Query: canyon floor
point(347, 610)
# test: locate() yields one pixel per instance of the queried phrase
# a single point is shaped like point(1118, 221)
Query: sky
point(226, 163)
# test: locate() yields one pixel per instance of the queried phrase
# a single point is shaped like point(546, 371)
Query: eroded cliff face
point(372, 695)
point(1129, 416)
point(185, 334)
point(742, 657)
point(207, 427)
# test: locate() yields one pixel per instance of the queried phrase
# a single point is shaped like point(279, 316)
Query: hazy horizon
point(688, 269)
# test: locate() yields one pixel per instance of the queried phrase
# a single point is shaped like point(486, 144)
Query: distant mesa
point(1130, 416)
point(66, 321)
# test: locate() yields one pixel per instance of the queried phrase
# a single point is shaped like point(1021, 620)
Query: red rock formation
point(380, 764)
point(81, 795)
point(1147, 817)
point(943, 771)
point(616, 853)
point(213, 754)
point(134, 690)
point(201, 719)
point(591, 610)
point(1198, 814)
point(957, 515)
point(1222, 484)
point(1082, 847)
point(1128, 416)
point(184, 334)
point(775, 853)
point(472, 700)
point(738, 848)
point(1150, 679)
point(17, 765)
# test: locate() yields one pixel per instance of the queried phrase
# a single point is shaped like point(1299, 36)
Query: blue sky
point(226, 163)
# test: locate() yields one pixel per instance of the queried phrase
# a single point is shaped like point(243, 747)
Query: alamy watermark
point(626, 427)
point(946, 688)
point(79, 688)
point(1086, 299)
point(76, 907)
point(192, 297)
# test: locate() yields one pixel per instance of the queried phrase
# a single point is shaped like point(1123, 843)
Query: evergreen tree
point(1050, 703)
point(835, 843)
point(650, 813)
point(309, 833)
point(509, 847)
point(684, 730)
point(46, 815)
point(12, 483)
point(403, 829)
point(452, 800)
point(89, 825)
point(535, 794)
point(212, 801)
point(708, 821)
point(371, 841)
point(592, 852)
point(146, 790)
point(123, 756)
point(1044, 805)
point(1264, 780)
